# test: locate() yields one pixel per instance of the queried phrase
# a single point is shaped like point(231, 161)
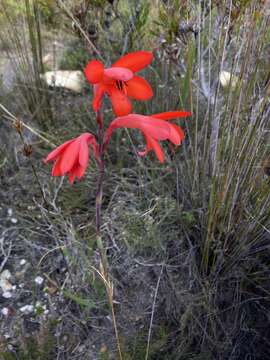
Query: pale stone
point(7, 295)
point(27, 309)
point(4, 281)
point(226, 77)
point(22, 262)
point(39, 280)
point(5, 311)
point(71, 80)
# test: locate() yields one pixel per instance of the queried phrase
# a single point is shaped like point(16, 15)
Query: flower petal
point(135, 61)
point(56, 170)
point(70, 157)
point(84, 153)
point(90, 139)
point(157, 129)
point(99, 91)
point(171, 115)
point(180, 132)
point(174, 137)
point(152, 144)
point(94, 71)
point(139, 89)
point(77, 171)
point(56, 152)
point(118, 73)
point(120, 102)
point(71, 176)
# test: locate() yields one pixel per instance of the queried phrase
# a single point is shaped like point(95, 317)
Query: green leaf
point(185, 88)
point(87, 303)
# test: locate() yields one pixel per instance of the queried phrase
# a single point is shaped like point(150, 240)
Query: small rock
point(7, 295)
point(226, 79)
point(4, 276)
point(27, 309)
point(4, 281)
point(39, 280)
point(22, 262)
point(5, 311)
point(64, 338)
point(71, 80)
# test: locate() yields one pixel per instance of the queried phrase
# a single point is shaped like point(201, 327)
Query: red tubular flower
point(119, 81)
point(154, 128)
point(72, 157)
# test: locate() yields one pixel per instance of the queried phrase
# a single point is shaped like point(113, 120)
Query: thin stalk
point(110, 296)
point(152, 314)
point(101, 167)
point(102, 251)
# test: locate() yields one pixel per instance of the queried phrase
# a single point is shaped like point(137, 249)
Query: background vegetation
point(188, 241)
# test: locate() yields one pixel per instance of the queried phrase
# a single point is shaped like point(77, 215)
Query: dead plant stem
point(152, 313)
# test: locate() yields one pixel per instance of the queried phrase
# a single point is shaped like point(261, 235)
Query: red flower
point(119, 81)
point(72, 157)
point(154, 128)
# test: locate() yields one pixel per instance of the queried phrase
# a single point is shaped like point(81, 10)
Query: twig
point(48, 252)
point(3, 163)
point(6, 254)
point(14, 119)
point(152, 313)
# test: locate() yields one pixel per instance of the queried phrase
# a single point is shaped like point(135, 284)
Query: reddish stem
point(102, 251)
point(101, 166)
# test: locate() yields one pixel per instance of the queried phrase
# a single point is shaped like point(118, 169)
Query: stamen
point(118, 84)
point(121, 85)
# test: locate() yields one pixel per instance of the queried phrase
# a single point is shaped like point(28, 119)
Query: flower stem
point(102, 250)
point(101, 168)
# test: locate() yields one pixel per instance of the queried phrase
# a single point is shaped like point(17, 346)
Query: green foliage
point(47, 10)
point(145, 229)
point(136, 349)
point(8, 356)
point(75, 57)
point(79, 300)
point(168, 20)
point(188, 218)
point(139, 24)
point(186, 84)
point(16, 7)
point(99, 3)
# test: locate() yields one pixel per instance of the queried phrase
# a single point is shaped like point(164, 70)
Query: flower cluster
point(120, 83)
